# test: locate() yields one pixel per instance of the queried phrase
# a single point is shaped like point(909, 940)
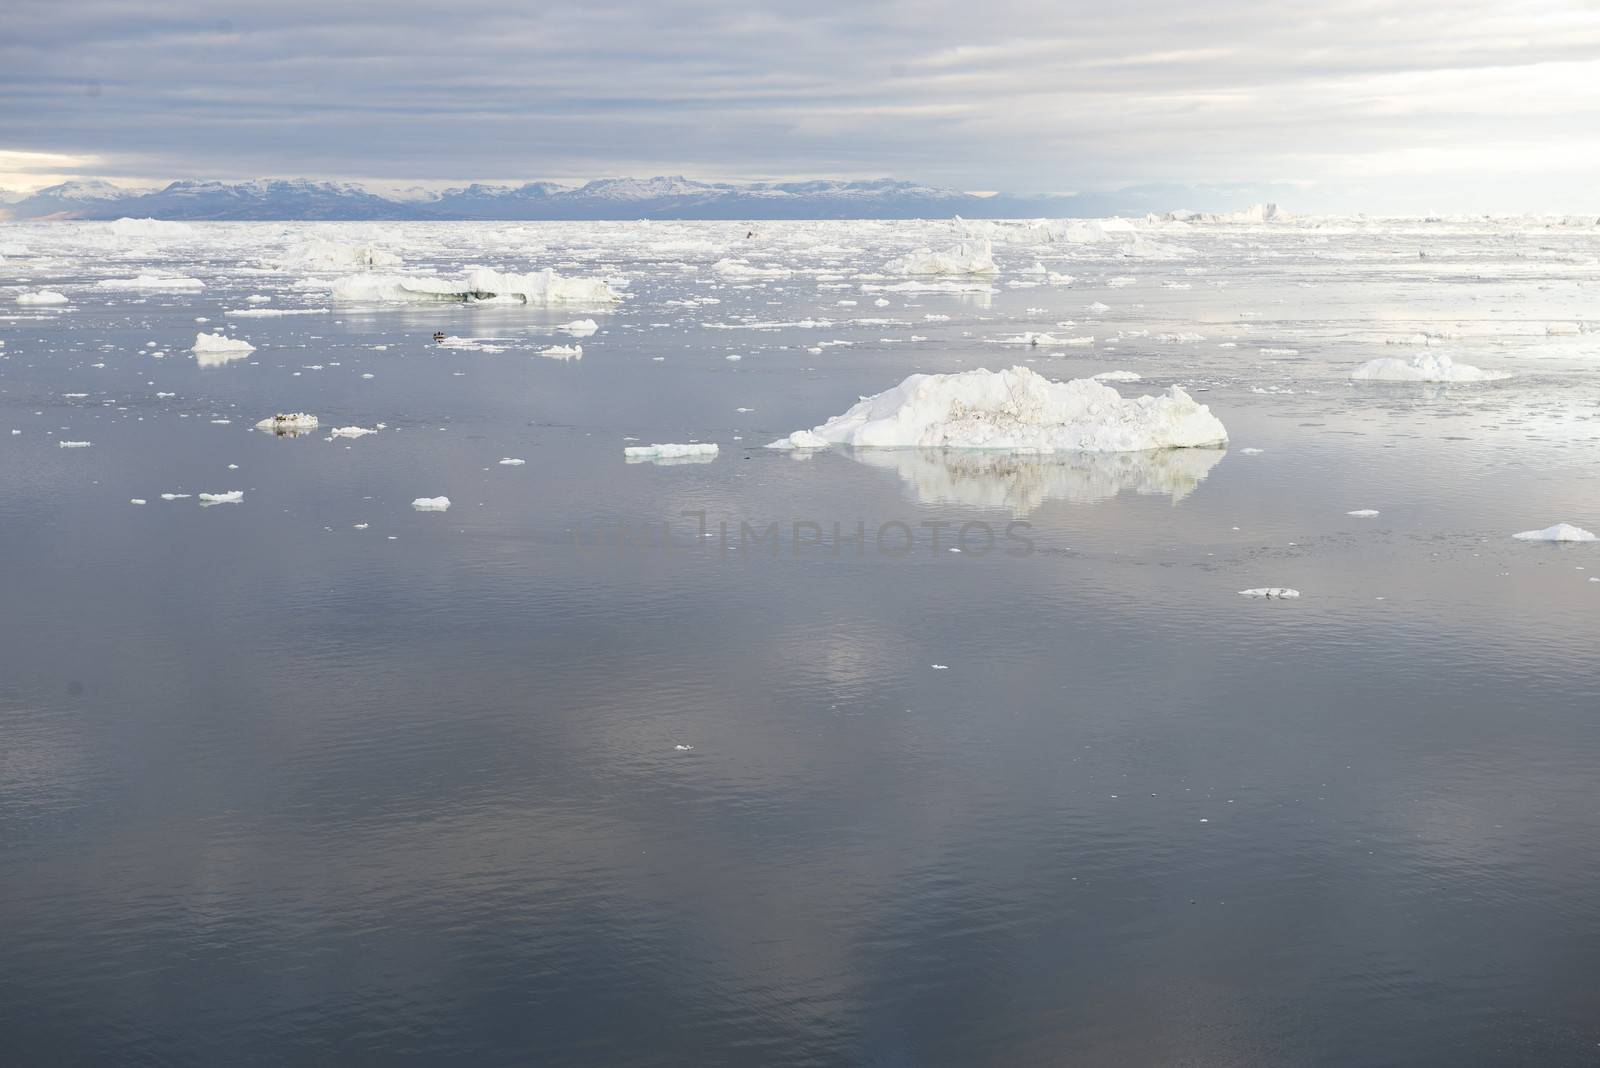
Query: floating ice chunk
point(220, 345)
point(1276, 593)
point(43, 296)
point(74, 444)
point(175, 496)
point(228, 497)
point(1117, 376)
point(511, 461)
point(431, 504)
point(351, 431)
point(972, 256)
point(683, 748)
point(1426, 367)
point(563, 352)
point(801, 439)
point(579, 327)
point(1023, 411)
point(290, 423)
point(150, 281)
point(1363, 513)
point(1559, 532)
point(136, 500)
point(733, 357)
point(695, 450)
point(1097, 307)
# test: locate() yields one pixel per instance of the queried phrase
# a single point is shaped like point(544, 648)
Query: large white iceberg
point(1427, 367)
point(480, 286)
point(1020, 410)
point(971, 256)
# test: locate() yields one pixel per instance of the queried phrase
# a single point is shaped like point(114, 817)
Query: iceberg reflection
point(1021, 482)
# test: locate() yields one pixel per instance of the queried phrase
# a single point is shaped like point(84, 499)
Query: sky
point(1361, 104)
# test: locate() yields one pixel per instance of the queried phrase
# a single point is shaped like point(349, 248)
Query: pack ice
point(1020, 410)
point(481, 286)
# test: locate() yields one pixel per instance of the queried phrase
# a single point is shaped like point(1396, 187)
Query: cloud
point(1027, 97)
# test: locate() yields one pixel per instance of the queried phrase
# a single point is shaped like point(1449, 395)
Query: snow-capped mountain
point(673, 197)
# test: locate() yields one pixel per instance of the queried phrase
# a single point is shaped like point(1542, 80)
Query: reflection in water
point(218, 358)
point(1021, 482)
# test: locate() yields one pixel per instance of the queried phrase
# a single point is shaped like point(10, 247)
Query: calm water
point(277, 790)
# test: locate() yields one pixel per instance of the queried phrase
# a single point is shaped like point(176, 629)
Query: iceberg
point(229, 497)
point(1559, 532)
point(1021, 410)
point(971, 256)
point(671, 452)
point(290, 424)
point(1275, 593)
point(150, 229)
point(1427, 367)
point(43, 296)
point(431, 504)
point(222, 345)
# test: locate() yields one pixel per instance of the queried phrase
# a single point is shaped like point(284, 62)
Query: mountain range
point(607, 198)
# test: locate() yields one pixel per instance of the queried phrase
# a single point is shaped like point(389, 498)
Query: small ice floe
point(227, 497)
point(1427, 367)
point(221, 344)
point(695, 450)
point(351, 431)
point(1252, 451)
point(511, 461)
point(733, 357)
point(1275, 593)
point(1559, 532)
point(1097, 307)
point(431, 504)
point(176, 496)
point(136, 500)
point(683, 748)
point(579, 327)
point(801, 439)
point(1363, 513)
point(940, 667)
point(563, 352)
point(1117, 376)
point(288, 424)
point(74, 444)
point(273, 313)
point(43, 296)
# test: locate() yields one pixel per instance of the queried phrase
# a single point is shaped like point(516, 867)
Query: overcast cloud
point(1384, 104)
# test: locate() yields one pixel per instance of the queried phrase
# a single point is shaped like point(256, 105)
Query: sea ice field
point(594, 643)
